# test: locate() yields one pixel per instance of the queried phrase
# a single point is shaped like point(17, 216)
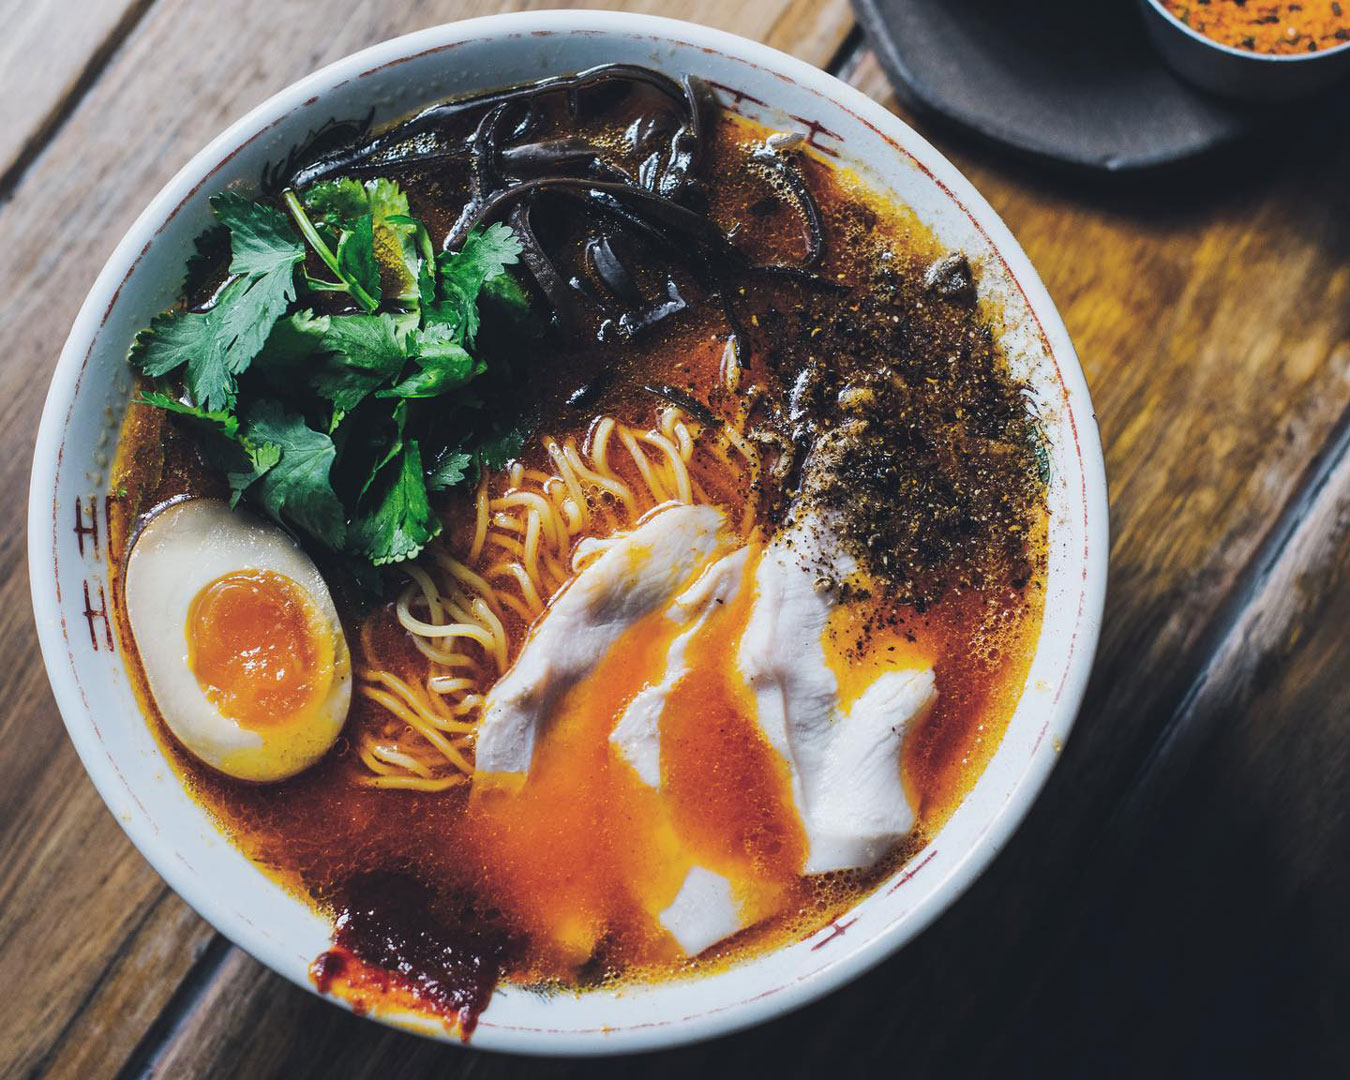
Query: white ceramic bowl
point(90, 390)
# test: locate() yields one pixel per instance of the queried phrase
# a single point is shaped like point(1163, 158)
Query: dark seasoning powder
point(896, 415)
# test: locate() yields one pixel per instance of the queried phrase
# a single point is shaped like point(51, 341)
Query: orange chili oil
point(436, 897)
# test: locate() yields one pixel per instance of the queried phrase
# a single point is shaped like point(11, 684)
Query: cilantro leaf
point(195, 339)
point(399, 522)
point(264, 250)
point(397, 419)
point(347, 282)
point(241, 458)
point(334, 201)
point(261, 457)
point(454, 317)
point(451, 470)
point(297, 487)
point(426, 282)
point(392, 254)
point(398, 236)
point(295, 339)
point(399, 241)
point(367, 351)
point(367, 440)
point(224, 422)
point(315, 419)
point(292, 351)
point(444, 365)
point(368, 342)
point(247, 310)
point(495, 451)
point(483, 257)
point(298, 336)
point(218, 344)
point(262, 240)
point(356, 255)
point(171, 340)
point(387, 201)
point(439, 373)
point(425, 257)
point(509, 294)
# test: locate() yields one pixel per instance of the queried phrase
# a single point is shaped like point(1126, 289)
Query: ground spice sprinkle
point(1278, 29)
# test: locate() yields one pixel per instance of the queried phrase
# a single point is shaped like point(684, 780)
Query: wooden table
point(1178, 901)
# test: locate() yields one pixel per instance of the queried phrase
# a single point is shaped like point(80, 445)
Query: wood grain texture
point(49, 52)
point(1212, 314)
point(163, 948)
point(1212, 914)
point(73, 893)
point(1213, 325)
point(1216, 340)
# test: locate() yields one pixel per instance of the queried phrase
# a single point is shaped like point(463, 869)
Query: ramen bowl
point(73, 589)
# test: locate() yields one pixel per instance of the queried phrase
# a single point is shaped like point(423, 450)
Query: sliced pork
point(639, 573)
point(703, 912)
point(845, 764)
point(637, 736)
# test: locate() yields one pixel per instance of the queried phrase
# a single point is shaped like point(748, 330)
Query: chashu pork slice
point(638, 574)
point(844, 764)
point(637, 735)
point(705, 910)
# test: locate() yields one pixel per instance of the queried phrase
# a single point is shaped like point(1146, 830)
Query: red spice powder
point(1273, 28)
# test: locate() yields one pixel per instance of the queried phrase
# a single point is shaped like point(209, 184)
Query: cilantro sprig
point(325, 371)
point(216, 345)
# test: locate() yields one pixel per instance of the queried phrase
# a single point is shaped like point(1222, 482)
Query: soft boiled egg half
point(239, 640)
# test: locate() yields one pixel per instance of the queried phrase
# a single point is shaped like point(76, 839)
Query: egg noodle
point(527, 542)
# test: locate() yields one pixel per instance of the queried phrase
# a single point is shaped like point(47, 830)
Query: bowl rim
point(60, 404)
point(1243, 54)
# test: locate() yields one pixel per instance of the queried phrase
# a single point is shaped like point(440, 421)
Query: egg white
point(180, 551)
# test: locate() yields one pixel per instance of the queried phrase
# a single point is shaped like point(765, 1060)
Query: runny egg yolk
point(258, 647)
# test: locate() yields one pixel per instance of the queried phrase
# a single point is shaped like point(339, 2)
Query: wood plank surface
point(1212, 406)
point(1212, 314)
point(153, 960)
point(1212, 916)
point(1217, 341)
point(67, 874)
point(50, 52)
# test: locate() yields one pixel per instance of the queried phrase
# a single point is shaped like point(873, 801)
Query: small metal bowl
point(1239, 73)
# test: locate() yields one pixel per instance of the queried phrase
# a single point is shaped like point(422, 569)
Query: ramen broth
point(554, 884)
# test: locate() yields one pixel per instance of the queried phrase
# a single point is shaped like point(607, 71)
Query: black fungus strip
point(342, 134)
point(432, 120)
point(685, 401)
point(662, 212)
point(541, 267)
point(610, 270)
point(483, 177)
point(569, 155)
point(787, 173)
point(511, 171)
point(634, 322)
